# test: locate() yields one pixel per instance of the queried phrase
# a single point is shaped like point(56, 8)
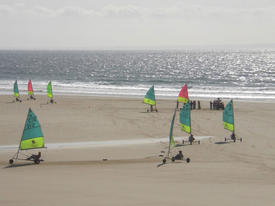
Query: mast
point(190, 118)
point(171, 132)
point(233, 117)
point(22, 135)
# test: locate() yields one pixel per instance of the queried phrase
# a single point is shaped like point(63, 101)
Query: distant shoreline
point(140, 98)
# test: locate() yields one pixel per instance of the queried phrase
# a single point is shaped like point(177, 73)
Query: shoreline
point(141, 97)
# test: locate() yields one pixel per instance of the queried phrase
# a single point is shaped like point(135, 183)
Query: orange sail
point(183, 95)
point(30, 90)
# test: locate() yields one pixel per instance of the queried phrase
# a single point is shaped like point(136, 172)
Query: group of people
point(216, 104)
point(193, 104)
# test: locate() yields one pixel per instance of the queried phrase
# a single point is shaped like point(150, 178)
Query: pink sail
point(183, 95)
point(30, 90)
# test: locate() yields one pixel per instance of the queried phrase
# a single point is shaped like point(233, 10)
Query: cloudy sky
point(118, 24)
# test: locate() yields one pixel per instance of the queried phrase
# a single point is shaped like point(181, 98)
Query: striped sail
point(185, 118)
point(228, 116)
point(150, 97)
point(32, 136)
point(15, 89)
point(49, 90)
point(30, 89)
point(183, 95)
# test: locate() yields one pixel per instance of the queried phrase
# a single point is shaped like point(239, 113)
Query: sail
point(49, 90)
point(30, 89)
point(171, 137)
point(32, 135)
point(228, 116)
point(15, 89)
point(185, 119)
point(150, 97)
point(183, 95)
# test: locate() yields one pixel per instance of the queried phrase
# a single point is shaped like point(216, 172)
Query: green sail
point(32, 137)
point(185, 119)
point(228, 116)
point(150, 97)
point(49, 90)
point(15, 89)
point(171, 137)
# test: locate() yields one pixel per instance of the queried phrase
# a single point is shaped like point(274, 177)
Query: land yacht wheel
point(36, 161)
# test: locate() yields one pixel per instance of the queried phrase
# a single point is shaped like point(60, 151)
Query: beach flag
point(49, 90)
point(185, 119)
point(150, 97)
point(32, 135)
point(171, 137)
point(183, 95)
point(30, 89)
point(228, 116)
point(15, 89)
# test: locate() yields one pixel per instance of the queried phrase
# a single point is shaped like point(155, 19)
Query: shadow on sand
point(18, 165)
point(223, 142)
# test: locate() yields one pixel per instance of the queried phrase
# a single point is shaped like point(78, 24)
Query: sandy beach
point(241, 173)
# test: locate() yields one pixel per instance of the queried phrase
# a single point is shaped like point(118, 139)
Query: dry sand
point(219, 174)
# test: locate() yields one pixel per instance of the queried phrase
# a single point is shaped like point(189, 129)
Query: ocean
point(248, 75)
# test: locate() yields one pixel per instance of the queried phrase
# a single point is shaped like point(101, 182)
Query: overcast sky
point(116, 24)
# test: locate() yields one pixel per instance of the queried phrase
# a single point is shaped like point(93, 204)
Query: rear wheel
point(11, 161)
point(36, 161)
point(173, 159)
point(188, 159)
point(163, 161)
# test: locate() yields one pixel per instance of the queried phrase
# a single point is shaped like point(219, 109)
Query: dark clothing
point(179, 156)
point(34, 156)
point(191, 138)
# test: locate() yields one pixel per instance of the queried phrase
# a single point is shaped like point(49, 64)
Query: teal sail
point(228, 116)
point(150, 97)
point(185, 118)
point(32, 136)
point(15, 89)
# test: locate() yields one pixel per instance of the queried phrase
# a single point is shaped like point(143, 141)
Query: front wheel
point(188, 159)
point(11, 161)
